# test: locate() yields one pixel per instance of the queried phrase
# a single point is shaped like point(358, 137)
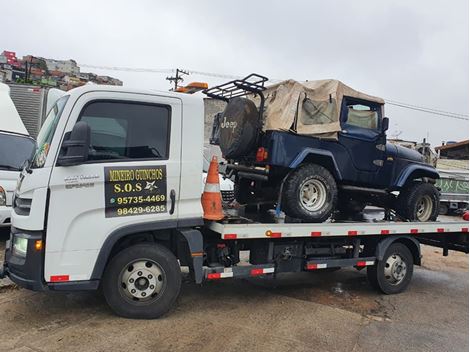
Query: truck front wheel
point(418, 202)
point(310, 193)
point(142, 281)
point(393, 273)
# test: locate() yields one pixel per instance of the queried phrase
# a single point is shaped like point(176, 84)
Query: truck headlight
point(20, 246)
point(3, 197)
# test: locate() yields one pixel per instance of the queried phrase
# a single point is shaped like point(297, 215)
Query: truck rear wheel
point(418, 202)
point(393, 273)
point(142, 281)
point(310, 193)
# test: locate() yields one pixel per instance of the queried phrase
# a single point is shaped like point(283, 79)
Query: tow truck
point(112, 201)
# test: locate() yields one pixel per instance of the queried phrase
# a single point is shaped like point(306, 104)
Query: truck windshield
point(15, 150)
point(47, 132)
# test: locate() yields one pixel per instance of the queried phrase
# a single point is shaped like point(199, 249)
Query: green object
point(449, 185)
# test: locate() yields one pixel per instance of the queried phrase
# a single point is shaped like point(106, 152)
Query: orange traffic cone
point(211, 198)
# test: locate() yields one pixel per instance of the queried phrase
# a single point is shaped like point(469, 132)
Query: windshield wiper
point(9, 167)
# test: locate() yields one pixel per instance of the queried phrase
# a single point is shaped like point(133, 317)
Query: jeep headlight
point(20, 246)
point(3, 197)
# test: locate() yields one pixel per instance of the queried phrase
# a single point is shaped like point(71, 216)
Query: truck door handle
point(173, 201)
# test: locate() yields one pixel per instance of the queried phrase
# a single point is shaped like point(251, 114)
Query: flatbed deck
point(231, 230)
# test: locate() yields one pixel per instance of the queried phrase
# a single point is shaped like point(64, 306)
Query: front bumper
point(5, 216)
point(25, 271)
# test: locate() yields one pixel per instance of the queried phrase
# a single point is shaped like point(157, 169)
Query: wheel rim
point(312, 194)
point(395, 269)
point(142, 281)
point(424, 209)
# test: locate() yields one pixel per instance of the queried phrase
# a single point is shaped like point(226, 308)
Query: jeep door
point(361, 134)
point(133, 168)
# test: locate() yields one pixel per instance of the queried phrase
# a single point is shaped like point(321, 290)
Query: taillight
point(261, 154)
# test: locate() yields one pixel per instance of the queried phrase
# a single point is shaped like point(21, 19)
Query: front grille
point(22, 206)
point(227, 196)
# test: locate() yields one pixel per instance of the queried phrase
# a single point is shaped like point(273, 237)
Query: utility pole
point(178, 78)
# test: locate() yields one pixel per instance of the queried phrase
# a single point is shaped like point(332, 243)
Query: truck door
point(132, 176)
point(361, 133)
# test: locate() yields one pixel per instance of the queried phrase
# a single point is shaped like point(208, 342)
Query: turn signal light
point(261, 154)
point(38, 245)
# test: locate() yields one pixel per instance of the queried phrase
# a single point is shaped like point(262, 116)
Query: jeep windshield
point(15, 149)
point(47, 132)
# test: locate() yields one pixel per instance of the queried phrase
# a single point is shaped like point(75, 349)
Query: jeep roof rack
point(253, 83)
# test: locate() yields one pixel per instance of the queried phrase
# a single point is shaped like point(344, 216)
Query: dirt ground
point(322, 311)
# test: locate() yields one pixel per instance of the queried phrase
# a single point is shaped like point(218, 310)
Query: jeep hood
point(400, 152)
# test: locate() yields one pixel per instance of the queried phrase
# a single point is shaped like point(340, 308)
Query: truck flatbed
point(241, 228)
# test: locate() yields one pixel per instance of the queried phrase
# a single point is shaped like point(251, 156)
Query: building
point(67, 66)
point(11, 58)
point(453, 150)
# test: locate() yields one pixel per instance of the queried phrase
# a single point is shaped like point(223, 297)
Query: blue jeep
point(309, 176)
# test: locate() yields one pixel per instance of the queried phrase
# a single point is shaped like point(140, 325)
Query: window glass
point(363, 116)
point(47, 131)
point(15, 150)
point(127, 131)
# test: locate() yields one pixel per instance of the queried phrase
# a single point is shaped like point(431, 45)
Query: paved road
point(322, 311)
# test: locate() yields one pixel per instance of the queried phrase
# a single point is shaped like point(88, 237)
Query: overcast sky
point(411, 51)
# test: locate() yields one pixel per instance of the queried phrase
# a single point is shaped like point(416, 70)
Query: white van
point(16, 146)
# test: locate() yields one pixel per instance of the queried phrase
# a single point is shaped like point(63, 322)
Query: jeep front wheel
point(418, 202)
point(310, 193)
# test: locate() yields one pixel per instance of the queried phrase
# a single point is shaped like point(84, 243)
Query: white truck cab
point(143, 170)
point(16, 146)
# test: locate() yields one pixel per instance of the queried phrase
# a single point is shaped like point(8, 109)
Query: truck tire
point(310, 193)
point(394, 272)
point(142, 281)
point(239, 128)
point(418, 202)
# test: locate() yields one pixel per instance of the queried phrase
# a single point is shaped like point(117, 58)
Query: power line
point(451, 115)
point(226, 76)
point(130, 69)
point(424, 108)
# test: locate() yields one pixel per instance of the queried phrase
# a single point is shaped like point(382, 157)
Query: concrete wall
point(211, 107)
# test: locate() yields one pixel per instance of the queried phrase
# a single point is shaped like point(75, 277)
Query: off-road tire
point(114, 292)
point(376, 274)
point(292, 204)
point(409, 199)
point(238, 128)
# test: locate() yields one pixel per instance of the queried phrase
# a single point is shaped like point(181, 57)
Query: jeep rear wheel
point(310, 193)
point(418, 202)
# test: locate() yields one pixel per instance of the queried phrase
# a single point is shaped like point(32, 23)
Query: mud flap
point(195, 244)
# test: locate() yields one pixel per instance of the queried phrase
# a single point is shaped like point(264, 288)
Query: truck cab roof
point(185, 98)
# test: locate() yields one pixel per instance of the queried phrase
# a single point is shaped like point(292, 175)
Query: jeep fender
point(414, 171)
point(323, 157)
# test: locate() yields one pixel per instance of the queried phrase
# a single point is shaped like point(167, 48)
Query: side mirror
point(74, 149)
point(385, 124)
